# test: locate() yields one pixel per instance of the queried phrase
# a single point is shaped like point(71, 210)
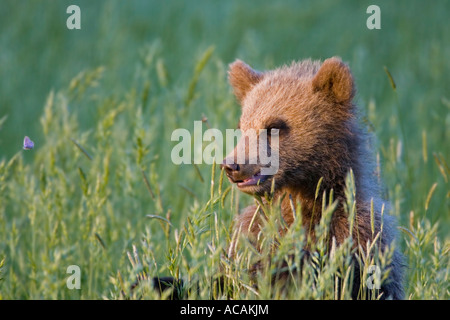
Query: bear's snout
point(229, 168)
point(244, 175)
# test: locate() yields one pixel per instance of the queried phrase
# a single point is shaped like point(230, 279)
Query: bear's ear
point(334, 79)
point(242, 78)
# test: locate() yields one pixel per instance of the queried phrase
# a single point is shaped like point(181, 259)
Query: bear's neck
point(308, 204)
point(310, 208)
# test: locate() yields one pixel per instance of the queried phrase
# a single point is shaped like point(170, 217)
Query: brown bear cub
point(310, 103)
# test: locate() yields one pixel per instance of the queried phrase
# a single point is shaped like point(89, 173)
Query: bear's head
point(305, 107)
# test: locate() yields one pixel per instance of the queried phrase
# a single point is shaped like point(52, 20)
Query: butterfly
point(27, 143)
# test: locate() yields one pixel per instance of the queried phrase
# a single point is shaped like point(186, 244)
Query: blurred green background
point(149, 51)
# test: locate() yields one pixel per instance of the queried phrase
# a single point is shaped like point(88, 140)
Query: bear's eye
point(279, 124)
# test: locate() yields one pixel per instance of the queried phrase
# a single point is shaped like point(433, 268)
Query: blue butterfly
point(28, 144)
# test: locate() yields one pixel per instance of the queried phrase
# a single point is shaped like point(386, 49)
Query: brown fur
point(321, 138)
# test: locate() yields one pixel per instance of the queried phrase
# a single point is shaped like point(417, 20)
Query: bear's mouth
point(254, 180)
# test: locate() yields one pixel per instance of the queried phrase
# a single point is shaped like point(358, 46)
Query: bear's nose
point(229, 168)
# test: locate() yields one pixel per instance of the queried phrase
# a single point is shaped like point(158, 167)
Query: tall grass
point(99, 189)
point(93, 198)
